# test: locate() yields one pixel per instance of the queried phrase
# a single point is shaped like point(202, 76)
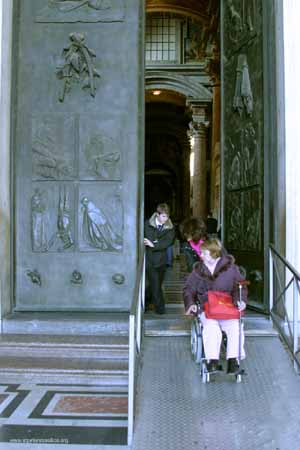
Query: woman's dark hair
point(193, 228)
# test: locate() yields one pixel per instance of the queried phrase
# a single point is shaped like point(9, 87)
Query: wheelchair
point(197, 350)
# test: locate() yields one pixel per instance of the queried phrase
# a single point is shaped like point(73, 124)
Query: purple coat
point(224, 278)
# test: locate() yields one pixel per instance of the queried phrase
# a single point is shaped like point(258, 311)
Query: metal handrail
point(135, 339)
point(287, 323)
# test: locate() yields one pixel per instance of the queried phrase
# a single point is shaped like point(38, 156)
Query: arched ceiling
point(199, 9)
point(165, 96)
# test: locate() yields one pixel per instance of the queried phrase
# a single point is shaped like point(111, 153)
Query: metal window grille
point(161, 39)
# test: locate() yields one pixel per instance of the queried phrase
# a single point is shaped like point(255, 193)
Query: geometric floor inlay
point(66, 414)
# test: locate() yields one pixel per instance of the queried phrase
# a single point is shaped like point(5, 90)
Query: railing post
point(143, 287)
point(131, 378)
point(295, 320)
point(271, 280)
point(139, 324)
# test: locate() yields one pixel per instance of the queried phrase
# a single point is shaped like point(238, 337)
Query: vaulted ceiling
point(203, 10)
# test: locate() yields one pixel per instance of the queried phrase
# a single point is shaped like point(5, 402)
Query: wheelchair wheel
point(238, 378)
point(205, 375)
point(196, 341)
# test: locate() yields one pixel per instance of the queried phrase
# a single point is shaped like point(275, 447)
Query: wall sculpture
point(243, 97)
point(35, 277)
point(39, 222)
point(51, 220)
point(62, 238)
point(53, 144)
point(241, 20)
point(77, 67)
point(99, 229)
point(103, 158)
point(82, 11)
point(243, 156)
point(235, 221)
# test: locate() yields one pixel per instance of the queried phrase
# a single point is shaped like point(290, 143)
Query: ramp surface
point(176, 411)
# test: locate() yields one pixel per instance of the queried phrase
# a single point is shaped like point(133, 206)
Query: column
point(198, 130)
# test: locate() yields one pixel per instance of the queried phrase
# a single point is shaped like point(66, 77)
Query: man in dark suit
point(159, 235)
point(211, 224)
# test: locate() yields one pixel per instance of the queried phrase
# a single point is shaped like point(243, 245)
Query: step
point(63, 371)
point(59, 346)
point(67, 323)
point(172, 324)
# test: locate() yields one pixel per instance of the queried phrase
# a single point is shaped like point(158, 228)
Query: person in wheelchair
point(216, 273)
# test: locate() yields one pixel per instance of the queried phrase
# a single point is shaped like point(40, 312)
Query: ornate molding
point(185, 85)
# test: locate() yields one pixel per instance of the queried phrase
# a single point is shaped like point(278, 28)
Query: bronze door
point(77, 153)
point(243, 140)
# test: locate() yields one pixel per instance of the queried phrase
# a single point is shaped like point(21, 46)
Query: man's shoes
point(233, 365)
point(213, 366)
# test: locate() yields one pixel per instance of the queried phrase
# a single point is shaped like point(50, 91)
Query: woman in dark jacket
point(193, 231)
point(216, 273)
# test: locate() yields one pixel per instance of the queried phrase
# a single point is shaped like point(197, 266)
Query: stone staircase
point(90, 349)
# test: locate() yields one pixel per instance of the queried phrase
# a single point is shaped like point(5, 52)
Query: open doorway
point(224, 148)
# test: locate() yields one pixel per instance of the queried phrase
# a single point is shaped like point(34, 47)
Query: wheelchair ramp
point(177, 411)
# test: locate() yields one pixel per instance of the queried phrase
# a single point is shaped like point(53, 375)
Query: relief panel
point(244, 220)
point(82, 11)
point(242, 21)
point(100, 155)
point(52, 218)
point(53, 147)
point(100, 218)
point(77, 67)
point(242, 157)
point(244, 139)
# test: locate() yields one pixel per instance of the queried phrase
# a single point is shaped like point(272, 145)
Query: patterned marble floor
point(57, 415)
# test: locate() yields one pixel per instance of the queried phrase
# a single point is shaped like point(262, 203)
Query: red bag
point(220, 306)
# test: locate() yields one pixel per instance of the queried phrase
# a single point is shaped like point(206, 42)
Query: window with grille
point(161, 39)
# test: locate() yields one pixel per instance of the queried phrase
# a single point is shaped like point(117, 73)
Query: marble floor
point(57, 415)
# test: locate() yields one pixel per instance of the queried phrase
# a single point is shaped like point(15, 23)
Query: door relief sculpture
point(76, 153)
point(243, 151)
point(82, 11)
point(77, 67)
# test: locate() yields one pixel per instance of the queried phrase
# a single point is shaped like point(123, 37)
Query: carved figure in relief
point(78, 67)
point(39, 223)
point(64, 232)
point(70, 5)
point(89, 11)
point(236, 22)
point(35, 276)
point(252, 231)
point(47, 163)
point(103, 162)
point(250, 155)
point(76, 278)
point(244, 168)
point(241, 19)
point(243, 97)
point(235, 170)
point(235, 227)
point(97, 229)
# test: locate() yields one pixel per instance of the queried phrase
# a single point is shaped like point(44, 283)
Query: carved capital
point(197, 129)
